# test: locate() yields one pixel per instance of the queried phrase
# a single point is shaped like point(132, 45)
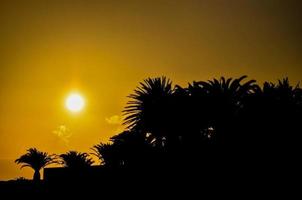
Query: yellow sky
point(102, 49)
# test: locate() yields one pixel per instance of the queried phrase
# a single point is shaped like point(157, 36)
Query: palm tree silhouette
point(209, 127)
point(127, 148)
point(135, 146)
point(76, 160)
point(277, 107)
point(147, 111)
point(220, 101)
point(36, 160)
point(108, 154)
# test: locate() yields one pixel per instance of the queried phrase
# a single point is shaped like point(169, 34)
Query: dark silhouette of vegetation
point(215, 130)
point(107, 154)
point(217, 121)
point(36, 160)
point(124, 149)
point(75, 160)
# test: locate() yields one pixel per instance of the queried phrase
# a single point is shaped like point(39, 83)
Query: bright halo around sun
point(75, 102)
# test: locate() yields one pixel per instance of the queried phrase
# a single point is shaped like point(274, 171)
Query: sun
point(75, 102)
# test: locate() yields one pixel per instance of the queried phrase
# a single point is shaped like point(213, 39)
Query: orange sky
point(104, 48)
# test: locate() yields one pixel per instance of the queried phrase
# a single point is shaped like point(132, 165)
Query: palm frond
point(74, 159)
point(35, 159)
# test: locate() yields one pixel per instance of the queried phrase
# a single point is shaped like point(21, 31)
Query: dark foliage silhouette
point(148, 111)
point(125, 149)
point(76, 160)
point(107, 154)
point(217, 119)
point(36, 160)
point(211, 131)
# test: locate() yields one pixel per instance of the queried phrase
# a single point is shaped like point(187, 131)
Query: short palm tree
point(36, 160)
point(107, 153)
point(76, 160)
point(127, 148)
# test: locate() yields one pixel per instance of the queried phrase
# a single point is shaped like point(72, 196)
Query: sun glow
point(75, 102)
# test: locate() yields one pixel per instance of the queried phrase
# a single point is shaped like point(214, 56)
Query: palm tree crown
point(147, 103)
point(74, 159)
point(36, 160)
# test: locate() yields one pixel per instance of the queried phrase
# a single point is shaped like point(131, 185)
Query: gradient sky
point(104, 48)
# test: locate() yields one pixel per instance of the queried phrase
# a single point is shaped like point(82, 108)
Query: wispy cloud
point(63, 133)
point(115, 120)
point(116, 123)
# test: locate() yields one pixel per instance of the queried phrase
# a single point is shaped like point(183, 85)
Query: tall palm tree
point(147, 111)
point(277, 107)
point(221, 101)
point(36, 160)
point(76, 160)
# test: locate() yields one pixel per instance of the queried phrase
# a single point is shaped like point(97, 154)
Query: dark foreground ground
point(233, 181)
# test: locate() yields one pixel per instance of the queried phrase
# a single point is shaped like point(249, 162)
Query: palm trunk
point(37, 176)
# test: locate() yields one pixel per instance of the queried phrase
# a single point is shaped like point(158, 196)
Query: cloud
point(63, 133)
point(114, 120)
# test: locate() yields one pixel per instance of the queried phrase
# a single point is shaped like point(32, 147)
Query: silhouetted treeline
point(207, 122)
point(210, 132)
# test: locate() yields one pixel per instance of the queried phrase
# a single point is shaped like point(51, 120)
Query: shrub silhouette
point(75, 160)
point(125, 149)
point(107, 154)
